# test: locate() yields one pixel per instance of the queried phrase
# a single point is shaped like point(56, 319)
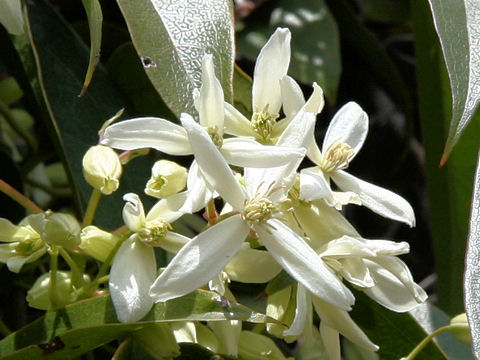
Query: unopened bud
point(102, 169)
point(57, 229)
point(39, 296)
point(96, 242)
point(168, 178)
point(461, 330)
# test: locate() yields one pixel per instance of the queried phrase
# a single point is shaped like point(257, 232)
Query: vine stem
point(91, 207)
point(19, 198)
point(77, 274)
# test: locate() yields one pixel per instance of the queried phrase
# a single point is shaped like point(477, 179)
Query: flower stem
point(19, 198)
point(4, 330)
point(53, 278)
point(211, 213)
point(92, 207)
point(103, 270)
point(77, 274)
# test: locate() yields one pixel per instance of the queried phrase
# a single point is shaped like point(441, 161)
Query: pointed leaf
point(458, 26)
point(171, 37)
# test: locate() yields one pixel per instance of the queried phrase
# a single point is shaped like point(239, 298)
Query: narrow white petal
point(331, 341)
point(210, 102)
point(133, 272)
point(10, 232)
point(168, 208)
point(148, 132)
point(200, 259)
point(236, 123)
point(339, 320)
point(313, 185)
point(252, 266)
point(316, 101)
point(303, 264)
point(198, 191)
point(349, 126)
point(133, 213)
point(249, 153)
point(301, 312)
point(292, 96)
point(313, 152)
point(272, 65)
point(212, 164)
point(15, 263)
point(298, 132)
point(381, 201)
point(173, 242)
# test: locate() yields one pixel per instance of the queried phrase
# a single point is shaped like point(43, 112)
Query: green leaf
point(458, 24)
point(88, 324)
point(171, 37)
point(315, 43)
point(430, 318)
point(95, 20)
point(242, 92)
point(397, 334)
point(449, 188)
point(472, 268)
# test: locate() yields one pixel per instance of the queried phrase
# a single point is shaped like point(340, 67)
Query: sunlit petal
point(168, 208)
point(236, 123)
point(292, 96)
point(313, 185)
point(301, 313)
point(133, 213)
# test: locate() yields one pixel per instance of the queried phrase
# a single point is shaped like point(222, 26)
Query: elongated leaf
point(315, 42)
point(88, 324)
point(242, 92)
point(450, 187)
point(458, 27)
point(171, 38)
point(95, 20)
point(472, 268)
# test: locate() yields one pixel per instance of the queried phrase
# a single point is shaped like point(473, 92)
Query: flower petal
point(235, 123)
point(168, 208)
point(381, 201)
point(272, 65)
point(249, 153)
point(11, 233)
point(198, 191)
point(133, 272)
point(331, 341)
point(210, 104)
point(200, 259)
point(313, 185)
point(212, 164)
point(292, 96)
point(148, 132)
point(133, 213)
point(173, 242)
point(303, 264)
point(301, 313)
point(349, 126)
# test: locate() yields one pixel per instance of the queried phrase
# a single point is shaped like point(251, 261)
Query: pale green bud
point(461, 330)
point(58, 229)
point(10, 91)
point(158, 341)
point(11, 16)
point(168, 178)
point(102, 169)
point(96, 242)
point(255, 346)
point(39, 296)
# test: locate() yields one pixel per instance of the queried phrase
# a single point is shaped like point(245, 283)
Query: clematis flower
point(134, 267)
point(258, 207)
point(343, 140)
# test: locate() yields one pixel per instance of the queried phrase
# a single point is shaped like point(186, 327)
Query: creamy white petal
point(133, 272)
point(272, 65)
point(301, 312)
point(331, 341)
point(292, 96)
point(381, 201)
point(298, 132)
point(210, 101)
point(10, 232)
point(387, 247)
point(168, 208)
point(349, 126)
point(339, 320)
point(303, 264)
point(148, 132)
point(313, 185)
point(356, 272)
point(252, 266)
point(236, 123)
point(15, 263)
point(133, 213)
point(173, 241)
point(249, 153)
point(338, 199)
point(212, 164)
point(313, 152)
point(200, 259)
point(316, 101)
point(198, 191)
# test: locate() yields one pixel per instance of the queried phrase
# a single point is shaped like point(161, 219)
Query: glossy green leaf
point(315, 43)
point(88, 324)
point(397, 334)
point(61, 58)
point(171, 37)
point(449, 188)
point(242, 92)
point(458, 26)
point(472, 268)
point(95, 20)
point(430, 318)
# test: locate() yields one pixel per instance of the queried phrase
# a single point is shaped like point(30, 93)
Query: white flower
point(134, 267)
point(343, 140)
point(258, 208)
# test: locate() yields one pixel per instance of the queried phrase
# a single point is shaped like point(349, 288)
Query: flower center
point(257, 211)
point(29, 245)
point(154, 232)
point(336, 157)
point(215, 135)
point(262, 124)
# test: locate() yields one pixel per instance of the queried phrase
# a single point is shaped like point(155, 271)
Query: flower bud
point(10, 91)
point(255, 346)
point(168, 178)
point(58, 229)
point(39, 297)
point(158, 341)
point(102, 169)
point(461, 330)
point(96, 242)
